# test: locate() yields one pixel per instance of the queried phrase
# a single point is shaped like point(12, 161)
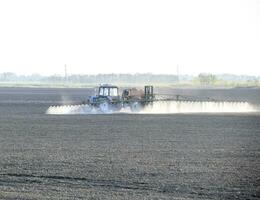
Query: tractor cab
point(108, 91)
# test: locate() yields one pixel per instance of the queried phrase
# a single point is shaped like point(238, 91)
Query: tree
point(207, 79)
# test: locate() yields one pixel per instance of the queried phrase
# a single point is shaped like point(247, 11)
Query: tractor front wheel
point(104, 107)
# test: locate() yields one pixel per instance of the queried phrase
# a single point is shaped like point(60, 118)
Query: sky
point(137, 36)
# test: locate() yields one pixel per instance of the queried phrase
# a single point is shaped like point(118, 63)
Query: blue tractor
point(109, 99)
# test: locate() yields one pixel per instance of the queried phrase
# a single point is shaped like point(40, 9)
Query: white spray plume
point(162, 108)
point(198, 107)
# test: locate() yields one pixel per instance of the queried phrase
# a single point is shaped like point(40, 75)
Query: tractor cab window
point(106, 91)
point(101, 91)
point(113, 92)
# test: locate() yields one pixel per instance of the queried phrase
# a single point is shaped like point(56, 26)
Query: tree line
point(202, 79)
point(99, 78)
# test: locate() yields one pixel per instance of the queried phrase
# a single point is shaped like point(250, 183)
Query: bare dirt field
point(126, 156)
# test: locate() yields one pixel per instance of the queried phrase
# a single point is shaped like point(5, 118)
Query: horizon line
point(148, 73)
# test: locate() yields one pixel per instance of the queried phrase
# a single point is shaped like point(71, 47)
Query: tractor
point(109, 99)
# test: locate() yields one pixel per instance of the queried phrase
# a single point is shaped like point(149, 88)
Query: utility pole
point(65, 73)
point(178, 73)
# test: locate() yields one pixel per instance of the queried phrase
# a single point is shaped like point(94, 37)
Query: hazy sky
point(135, 36)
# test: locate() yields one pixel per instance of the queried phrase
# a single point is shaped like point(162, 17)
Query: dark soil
point(125, 156)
